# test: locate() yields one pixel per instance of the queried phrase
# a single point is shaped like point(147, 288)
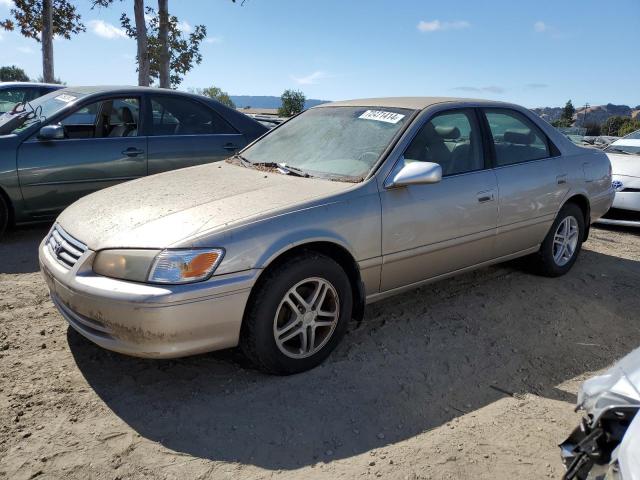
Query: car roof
point(91, 89)
point(413, 103)
point(29, 84)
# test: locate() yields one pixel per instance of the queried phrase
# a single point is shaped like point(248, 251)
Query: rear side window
point(516, 138)
point(179, 116)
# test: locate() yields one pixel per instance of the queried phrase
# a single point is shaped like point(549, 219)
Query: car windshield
point(35, 111)
point(334, 142)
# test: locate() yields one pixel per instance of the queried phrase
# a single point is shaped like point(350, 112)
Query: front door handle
point(231, 146)
point(485, 196)
point(132, 152)
point(561, 179)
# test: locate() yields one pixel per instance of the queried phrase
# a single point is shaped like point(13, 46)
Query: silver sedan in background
point(350, 202)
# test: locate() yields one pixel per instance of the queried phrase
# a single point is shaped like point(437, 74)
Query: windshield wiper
point(281, 167)
point(620, 151)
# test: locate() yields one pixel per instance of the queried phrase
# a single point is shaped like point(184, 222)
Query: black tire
point(4, 216)
point(257, 337)
point(543, 262)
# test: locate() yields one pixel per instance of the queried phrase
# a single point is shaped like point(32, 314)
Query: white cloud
point(213, 40)
point(310, 79)
point(106, 30)
point(540, 26)
point(6, 3)
point(437, 25)
point(184, 27)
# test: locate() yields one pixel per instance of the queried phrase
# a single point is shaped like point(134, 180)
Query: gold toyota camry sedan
point(277, 248)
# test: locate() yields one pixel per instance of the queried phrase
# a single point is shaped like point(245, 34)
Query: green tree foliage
point(292, 103)
point(613, 125)
point(184, 48)
point(13, 74)
point(27, 16)
point(630, 126)
point(217, 94)
point(568, 112)
point(562, 122)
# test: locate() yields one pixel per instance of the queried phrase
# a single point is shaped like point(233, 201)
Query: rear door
point(101, 148)
point(184, 132)
point(531, 180)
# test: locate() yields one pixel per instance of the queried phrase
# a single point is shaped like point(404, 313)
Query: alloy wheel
point(306, 317)
point(565, 241)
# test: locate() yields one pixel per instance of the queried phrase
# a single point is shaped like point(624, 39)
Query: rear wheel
point(563, 243)
point(297, 315)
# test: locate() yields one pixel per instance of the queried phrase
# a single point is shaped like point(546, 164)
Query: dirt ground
point(474, 377)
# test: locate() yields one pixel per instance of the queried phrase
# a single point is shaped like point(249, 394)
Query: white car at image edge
point(624, 155)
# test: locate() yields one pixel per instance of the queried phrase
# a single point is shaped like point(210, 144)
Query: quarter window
point(177, 116)
point(515, 138)
point(450, 139)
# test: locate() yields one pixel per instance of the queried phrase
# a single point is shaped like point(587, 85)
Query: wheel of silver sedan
point(306, 317)
point(565, 241)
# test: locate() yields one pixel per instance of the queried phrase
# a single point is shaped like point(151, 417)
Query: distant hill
point(266, 101)
point(594, 114)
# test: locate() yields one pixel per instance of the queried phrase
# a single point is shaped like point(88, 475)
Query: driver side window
point(450, 139)
point(108, 118)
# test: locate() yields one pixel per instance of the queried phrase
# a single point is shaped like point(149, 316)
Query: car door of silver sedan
point(434, 229)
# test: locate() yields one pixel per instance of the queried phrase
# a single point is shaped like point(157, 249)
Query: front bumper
point(155, 321)
point(625, 210)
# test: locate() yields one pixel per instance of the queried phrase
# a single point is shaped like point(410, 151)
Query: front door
point(101, 148)
point(185, 132)
point(431, 230)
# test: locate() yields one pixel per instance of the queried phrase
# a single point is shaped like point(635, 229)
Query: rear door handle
point(132, 152)
point(561, 179)
point(231, 146)
point(485, 196)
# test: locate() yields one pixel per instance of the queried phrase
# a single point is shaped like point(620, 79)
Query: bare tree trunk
point(47, 41)
point(163, 37)
point(141, 38)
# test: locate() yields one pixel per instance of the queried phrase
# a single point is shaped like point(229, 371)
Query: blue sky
point(537, 53)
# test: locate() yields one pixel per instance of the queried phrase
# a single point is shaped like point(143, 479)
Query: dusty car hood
point(161, 210)
point(628, 165)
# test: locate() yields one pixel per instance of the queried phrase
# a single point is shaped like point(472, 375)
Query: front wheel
point(563, 243)
point(4, 215)
point(297, 315)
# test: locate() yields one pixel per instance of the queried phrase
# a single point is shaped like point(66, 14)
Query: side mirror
point(415, 173)
point(51, 132)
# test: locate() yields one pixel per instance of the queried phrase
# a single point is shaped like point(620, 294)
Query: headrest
point(126, 115)
point(522, 136)
point(448, 133)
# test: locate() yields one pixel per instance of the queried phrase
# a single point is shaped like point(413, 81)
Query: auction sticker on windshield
point(65, 98)
point(382, 116)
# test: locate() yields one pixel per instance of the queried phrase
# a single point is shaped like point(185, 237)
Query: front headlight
point(159, 266)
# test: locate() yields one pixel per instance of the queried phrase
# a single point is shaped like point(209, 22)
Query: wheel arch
point(583, 203)
point(333, 250)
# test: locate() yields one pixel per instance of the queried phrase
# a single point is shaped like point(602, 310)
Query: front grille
point(64, 248)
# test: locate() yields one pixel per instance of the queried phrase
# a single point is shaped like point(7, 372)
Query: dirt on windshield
point(473, 377)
